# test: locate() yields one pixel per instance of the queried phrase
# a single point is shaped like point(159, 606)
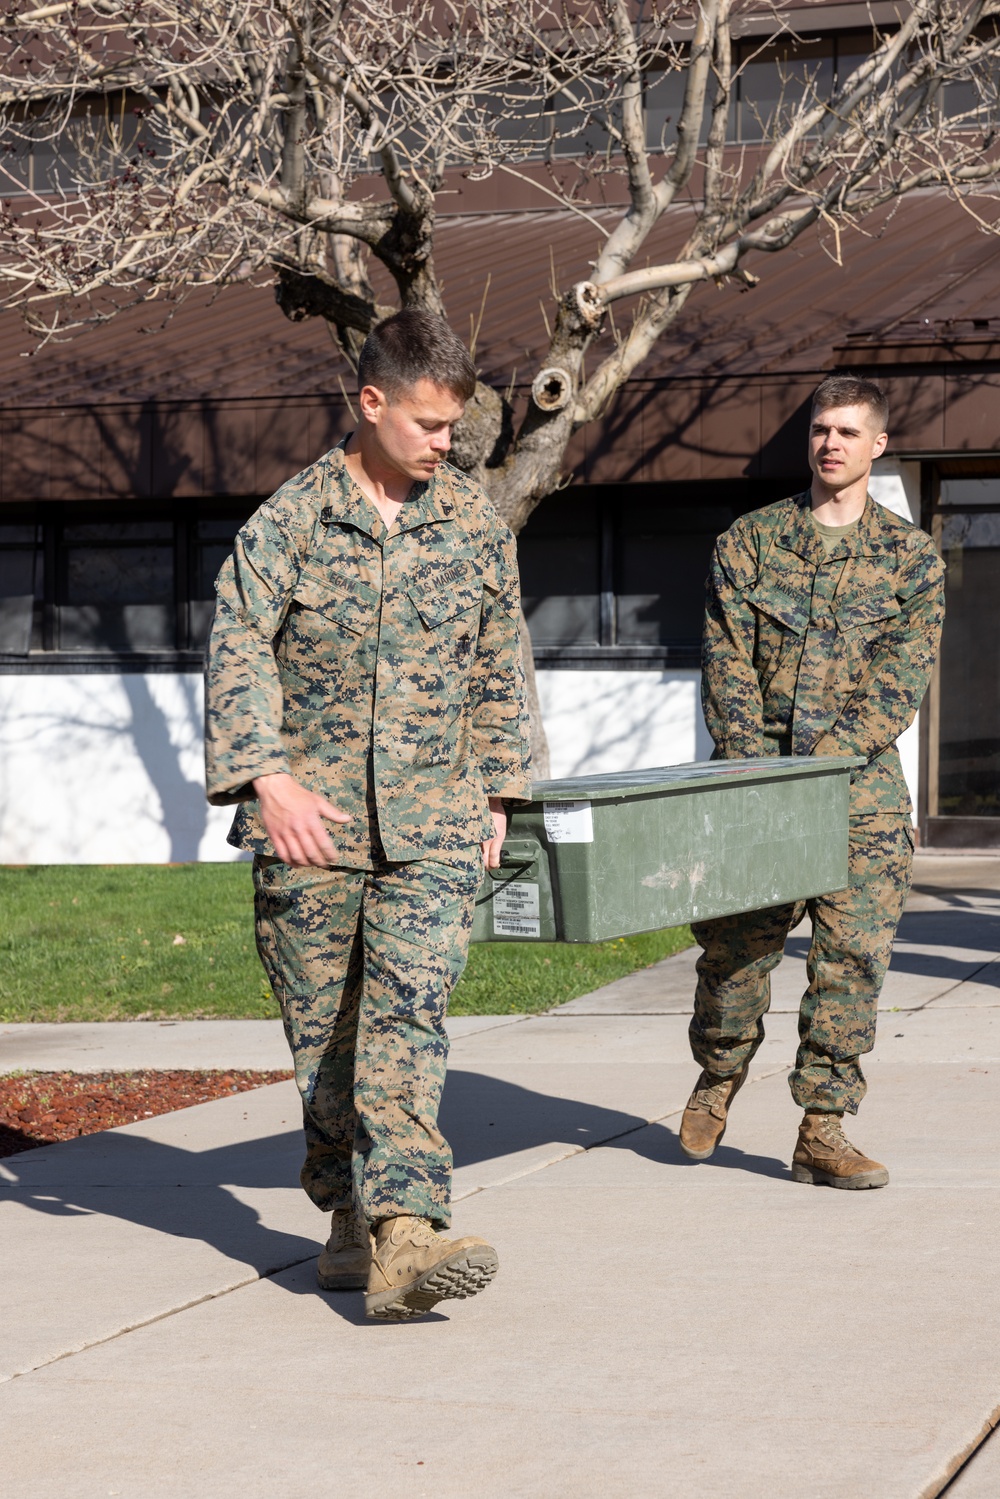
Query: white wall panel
point(105, 769)
point(599, 721)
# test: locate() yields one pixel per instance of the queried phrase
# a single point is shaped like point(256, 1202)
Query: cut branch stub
point(552, 389)
point(589, 303)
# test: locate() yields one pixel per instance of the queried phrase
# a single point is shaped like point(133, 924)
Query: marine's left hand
point(491, 846)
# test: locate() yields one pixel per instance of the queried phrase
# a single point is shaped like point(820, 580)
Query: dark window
point(115, 586)
point(663, 556)
point(97, 588)
point(559, 557)
point(770, 80)
point(610, 574)
point(20, 585)
point(615, 574)
point(773, 82)
point(966, 716)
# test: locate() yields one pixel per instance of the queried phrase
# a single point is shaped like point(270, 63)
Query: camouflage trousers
point(362, 963)
point(852, 936)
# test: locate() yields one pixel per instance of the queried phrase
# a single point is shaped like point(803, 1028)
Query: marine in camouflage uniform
point(817, 644)
point(380, 667)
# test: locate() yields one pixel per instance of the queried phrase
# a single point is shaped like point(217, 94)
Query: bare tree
point(175, 143)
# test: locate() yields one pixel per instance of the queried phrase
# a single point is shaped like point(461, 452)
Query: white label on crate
point(515, 910)
point(569, 822)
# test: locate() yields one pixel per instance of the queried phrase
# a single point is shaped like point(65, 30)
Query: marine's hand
point(491, 846)
point(293, 816)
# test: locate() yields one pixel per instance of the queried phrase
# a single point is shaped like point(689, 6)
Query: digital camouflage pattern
point(380, 668)
point(813, 647)
point(362, 963)
point(853, 932)
point(809, 651)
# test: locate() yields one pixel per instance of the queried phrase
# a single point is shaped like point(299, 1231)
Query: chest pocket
point(438, 606)
point(346, 601)
point(784, 608)
point(874, 606)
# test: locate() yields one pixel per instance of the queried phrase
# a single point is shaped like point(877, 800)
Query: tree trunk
point(539, 743)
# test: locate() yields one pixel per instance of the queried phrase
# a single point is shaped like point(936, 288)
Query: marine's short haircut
point(852, 390)
point(413, 345)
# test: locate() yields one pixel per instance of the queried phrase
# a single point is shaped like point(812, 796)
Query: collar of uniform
point(343, 501)
point(867, 539)
point(428, 500)
point(799, 535)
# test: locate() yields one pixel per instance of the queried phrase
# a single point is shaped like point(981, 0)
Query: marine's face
point(844, 441)
point(412, 430)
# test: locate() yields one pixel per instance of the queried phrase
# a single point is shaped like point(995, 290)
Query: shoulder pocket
point(347, 602)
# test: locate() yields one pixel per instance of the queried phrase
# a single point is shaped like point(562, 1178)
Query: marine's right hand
point(293, 816)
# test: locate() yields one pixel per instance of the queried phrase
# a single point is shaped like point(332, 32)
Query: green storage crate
point(603, 856)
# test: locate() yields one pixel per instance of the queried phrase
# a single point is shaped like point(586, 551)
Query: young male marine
point(366, 709)
point(822, 624)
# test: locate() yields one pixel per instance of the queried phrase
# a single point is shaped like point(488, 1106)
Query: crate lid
point(620, 785)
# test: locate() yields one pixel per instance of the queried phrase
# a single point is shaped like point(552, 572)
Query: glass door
point(963, 801)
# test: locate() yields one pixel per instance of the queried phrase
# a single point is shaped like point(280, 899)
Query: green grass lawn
point(93, 942)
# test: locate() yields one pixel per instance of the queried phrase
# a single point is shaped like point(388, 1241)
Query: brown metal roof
point(227, 397)
point(929, 272)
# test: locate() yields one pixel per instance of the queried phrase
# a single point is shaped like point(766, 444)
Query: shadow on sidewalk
point(475, 1107)
point(195, 1194)
point(972, 933)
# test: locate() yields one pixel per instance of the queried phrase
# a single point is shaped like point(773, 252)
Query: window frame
point(45, 654)
point(948, 830)
point(609, 653)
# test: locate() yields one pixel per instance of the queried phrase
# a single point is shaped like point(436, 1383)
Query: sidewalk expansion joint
point(172, 1311)
point(575, 1150)
point(968, 979)
point(249, 1280)
point(957, 1466)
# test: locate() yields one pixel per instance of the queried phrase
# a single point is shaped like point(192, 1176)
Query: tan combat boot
point(704, 1121)
point(825, 1157)
point(345, 1262)
point(414, 1267)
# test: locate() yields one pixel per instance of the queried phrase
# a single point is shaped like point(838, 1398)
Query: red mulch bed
point(41, 1108)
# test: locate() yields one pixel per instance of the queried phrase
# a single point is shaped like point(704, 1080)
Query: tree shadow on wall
point(152, 459)
point(183, 803)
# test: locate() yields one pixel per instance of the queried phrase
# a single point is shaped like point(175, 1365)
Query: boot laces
point(713, 1092)
point(831, 1131)
point(420, 1232)
point(346, 1231)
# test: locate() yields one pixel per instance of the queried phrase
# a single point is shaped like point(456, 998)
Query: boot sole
point(462, 1275)
point(356, 1282)
point(814, 1176)
point(701, 1155)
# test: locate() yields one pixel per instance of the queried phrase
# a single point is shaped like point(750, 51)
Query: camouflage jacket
point(809, 652)
point(381, 668)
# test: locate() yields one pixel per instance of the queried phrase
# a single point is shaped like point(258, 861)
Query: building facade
point(130, 456)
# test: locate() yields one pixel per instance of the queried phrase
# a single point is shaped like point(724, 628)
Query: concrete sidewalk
point(658, 1328)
